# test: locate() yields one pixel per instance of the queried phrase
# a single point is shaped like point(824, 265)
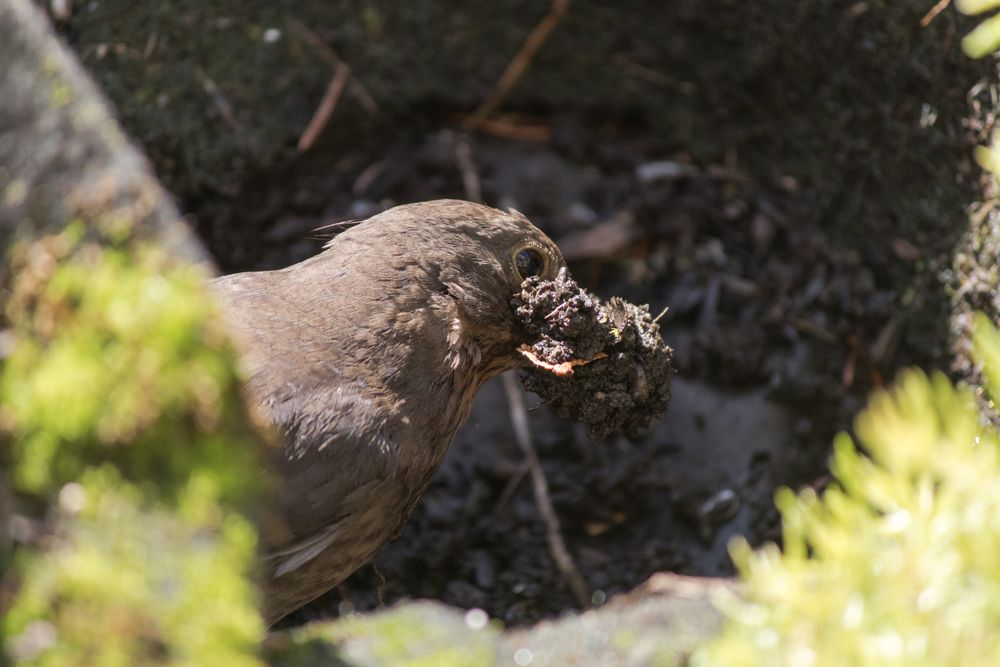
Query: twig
point(362, 95)
point(311, 38)
point(356, 88)
point(932, 14)
point(325, 108)
point(539, 406)
point(150, 44)
point(467, 166)
point(557, 547)
point(219, 100)
point(516, 68)
point(102, 49)
point(515, 481)
point(512, 130)
point(379, 587)
point(812, 329)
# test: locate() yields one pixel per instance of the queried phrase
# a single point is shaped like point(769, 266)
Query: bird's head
point(456, 265)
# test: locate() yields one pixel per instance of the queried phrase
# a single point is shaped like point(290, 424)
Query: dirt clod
point(625, 382)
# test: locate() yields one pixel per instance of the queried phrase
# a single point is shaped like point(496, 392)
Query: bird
point(366, 358)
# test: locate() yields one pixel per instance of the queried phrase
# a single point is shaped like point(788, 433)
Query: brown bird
point(367, 357)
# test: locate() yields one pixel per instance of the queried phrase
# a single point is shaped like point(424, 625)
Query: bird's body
point(367, 357)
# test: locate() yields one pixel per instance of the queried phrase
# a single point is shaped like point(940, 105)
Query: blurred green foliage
point(129, 583)
point(130, 452)
point(985, 38)
point(986, 343)
point(420, 634)
point(116, 359)
point(895, 563)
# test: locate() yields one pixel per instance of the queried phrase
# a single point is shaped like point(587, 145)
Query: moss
point(417, 635)
point(975, 284)
point(894, 563)
point(117, 358)
point(128, 441)
point(987, 349)
point(129, 582)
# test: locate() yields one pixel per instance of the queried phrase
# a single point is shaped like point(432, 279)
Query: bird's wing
point(336, 455)
point(308, 546)
point(298, 554)
point(334, 467)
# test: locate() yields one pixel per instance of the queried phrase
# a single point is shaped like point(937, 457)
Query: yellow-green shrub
point(985, 39)
point(128, 448)
point(894, 564)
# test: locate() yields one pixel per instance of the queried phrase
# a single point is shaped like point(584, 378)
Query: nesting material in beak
point(602, 363)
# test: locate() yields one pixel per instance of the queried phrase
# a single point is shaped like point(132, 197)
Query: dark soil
point(779, 329)
point(790, 180)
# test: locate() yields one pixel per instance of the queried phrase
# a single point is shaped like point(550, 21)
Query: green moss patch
point(130, 451)
point(421, 634)
point(116, 358)
point(128, 583)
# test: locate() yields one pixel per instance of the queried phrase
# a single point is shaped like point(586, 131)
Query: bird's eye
point(529, 262)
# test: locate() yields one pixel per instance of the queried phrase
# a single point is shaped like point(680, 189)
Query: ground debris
point(604, 364)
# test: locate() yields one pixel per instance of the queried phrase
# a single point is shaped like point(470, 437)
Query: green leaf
point(986, 343)
point(984, 39)
point(976, 6)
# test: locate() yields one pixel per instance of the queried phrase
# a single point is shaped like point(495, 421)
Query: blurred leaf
point(976, 6)
point(986, 343)
point(984, 39)
point(988, 157)
point(130, 584)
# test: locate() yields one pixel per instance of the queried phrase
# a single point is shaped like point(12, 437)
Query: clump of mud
point(604, 364)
